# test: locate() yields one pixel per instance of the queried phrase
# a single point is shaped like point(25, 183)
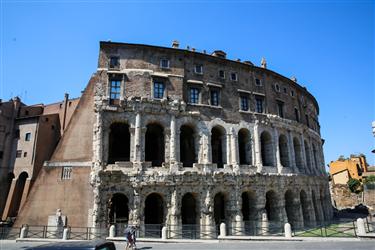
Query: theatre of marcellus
point(179, 138)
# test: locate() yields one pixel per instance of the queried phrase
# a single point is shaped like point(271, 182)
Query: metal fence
point(9, 233)
point(257, 228)
point(87, 233)
point(191, 231)
point(337, 228)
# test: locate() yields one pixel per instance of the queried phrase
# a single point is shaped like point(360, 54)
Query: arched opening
point(218, 146)
point(119, 143)
point(298, 153)
point(305, 208)
point(187, 146)
point(307, 154)
point(272, 207)
point(18, 193)
point(189, 210)
point(118, 209)
point(316, 209)
point(315, 157)
point(219, 209)
point(154, 215)
point(248, 206)
point(291, 208)
point(244, 146)
point(284, 152)
point(266, 149)
point(155, 144)
point(322, 203)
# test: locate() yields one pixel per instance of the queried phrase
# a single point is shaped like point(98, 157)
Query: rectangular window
point(115, 91)
point(194, 95)
point(1, 154)
point(24, 154)
point(158, 90)
point(222, 74)
point(18, 153)
point(114, 62)
point(164, 63)
point(198, 69)
point(244, 103)
point(233, 76)
point(292, 93)
point(296, 113)
point(27, 136)
point(258, 82)
point(259, 104)
point(280, 109)
point(214, 97)
point(66, 173)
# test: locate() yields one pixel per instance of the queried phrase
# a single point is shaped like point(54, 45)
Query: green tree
point(354, 185)
point(370, 179)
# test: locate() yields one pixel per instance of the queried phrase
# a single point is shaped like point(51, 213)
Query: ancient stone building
point(181, 138)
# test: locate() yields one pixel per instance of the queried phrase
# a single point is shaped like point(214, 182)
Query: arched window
point(307, 154)
point(272, 207)
point(298, 153)
point(189, 210)
point(219, 208)
point(119, 143)
point(218, 143)
point(18, 194)
point(118, 209)
point(244, 146)
point(155, 144)
point(284, 151)
point(187, 146)
point(154, 215)
point(266, 149)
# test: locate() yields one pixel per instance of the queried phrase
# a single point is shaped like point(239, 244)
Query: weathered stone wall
point(344, 198)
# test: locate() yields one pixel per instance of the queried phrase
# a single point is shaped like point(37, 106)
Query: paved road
point(253, 245)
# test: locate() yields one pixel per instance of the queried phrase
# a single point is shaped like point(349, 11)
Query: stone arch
point(154, 140)
point(18, 194)
point(316, 208)
point(291, 209)
point(249, 212)
point(244, 146)
point(284, 151)
point(266, 149)
point(298, 153)
point(307, 154)
point(118, 209)
point(305, 206)
point(118, 142)
point(153, 215)
point(220, 214)
point(315, 152)
point(218, 146)
point(189, 209)
point(272, 206)
point(187, 145)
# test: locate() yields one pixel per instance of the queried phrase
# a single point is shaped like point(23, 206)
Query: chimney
point(263, 63)
point(175, 44)
point(219, 53)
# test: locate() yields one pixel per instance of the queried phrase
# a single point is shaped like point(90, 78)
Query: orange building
point(344, 169)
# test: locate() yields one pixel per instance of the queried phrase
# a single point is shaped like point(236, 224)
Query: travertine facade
point(180, 138)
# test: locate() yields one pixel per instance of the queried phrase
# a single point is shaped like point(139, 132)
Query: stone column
point(322, 159)
point(137, 139)
point(257, 148)
point(236, 225)
point(291, 153)
point(303, 153)
point(173, 215)
point(173, 144)
point(234, 148)
point(135, 210)
point(207, 222)
point(228, 145)
point(277, 147)
point(205, 154)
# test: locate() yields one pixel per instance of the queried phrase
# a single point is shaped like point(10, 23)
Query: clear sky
point(51, 47)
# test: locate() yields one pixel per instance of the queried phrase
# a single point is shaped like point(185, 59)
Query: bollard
point(288, 230)
point(164, 233)
point(361, 226)
point(223, 231)
point(66, 233)
point(112, 231)
point(24, 231)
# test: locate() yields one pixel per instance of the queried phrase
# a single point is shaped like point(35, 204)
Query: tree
point(370, 179)
point(354, 185)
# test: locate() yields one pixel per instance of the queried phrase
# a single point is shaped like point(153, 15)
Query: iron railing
point(191, 231)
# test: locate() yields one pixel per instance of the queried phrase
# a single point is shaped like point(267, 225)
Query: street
point(253, 245)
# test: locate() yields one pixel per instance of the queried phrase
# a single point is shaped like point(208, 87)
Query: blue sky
point(51, 47)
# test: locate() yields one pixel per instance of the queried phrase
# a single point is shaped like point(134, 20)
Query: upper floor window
point(307, 120)
point(259, 104)
point(285, 90)
point(194, 95)
point(18, 153)
point(296, 113)
point(159, 90)
point(164, 63)
point(214, 97)
point(27, 136)
point(244, 105)
point(280, 109)
point(114, 62)
point(66, 173)
point(222, 74)
point(277, 87)
point(115, 90)
point(233, 76)
point(258, 82)
point(198, 69)
point(292, 93)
